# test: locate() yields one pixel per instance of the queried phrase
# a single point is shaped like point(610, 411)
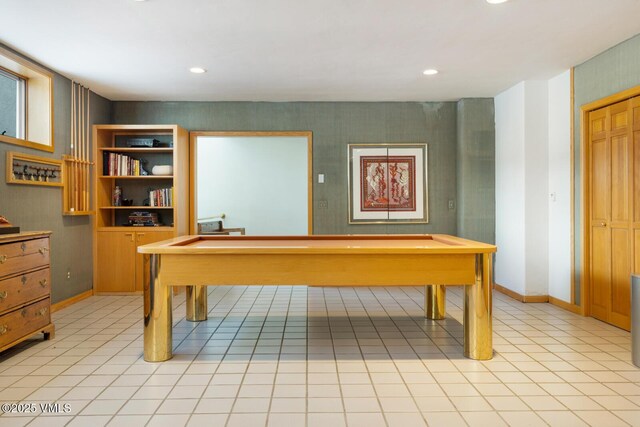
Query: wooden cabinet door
point(116, 261)
point(142, 261)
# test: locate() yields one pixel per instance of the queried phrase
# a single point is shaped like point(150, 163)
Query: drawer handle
point(4, 329)
point(43, 283)
point(23, 246)
point(3, 294)
point(3, 259)
point(43, 250)
point(24, 280)
point(42, 311)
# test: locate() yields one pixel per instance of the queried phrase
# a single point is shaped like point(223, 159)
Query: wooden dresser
point(25, 287)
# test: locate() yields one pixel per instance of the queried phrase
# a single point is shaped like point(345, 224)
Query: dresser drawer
point(25, 321)
point(19, 256)
point(24, 288)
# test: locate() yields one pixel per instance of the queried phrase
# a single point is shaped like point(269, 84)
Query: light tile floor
point(298, 356)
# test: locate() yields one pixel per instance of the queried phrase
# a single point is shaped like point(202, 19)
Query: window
point(12, 104)
point(26, 102)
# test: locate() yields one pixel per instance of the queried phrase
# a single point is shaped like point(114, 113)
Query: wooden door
point(142, 261)
point(611, 231)
point(635, 193)
point(116, 261)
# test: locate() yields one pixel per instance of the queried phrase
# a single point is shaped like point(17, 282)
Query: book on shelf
point(144, 219)
point(162, 197)
point(116, 164)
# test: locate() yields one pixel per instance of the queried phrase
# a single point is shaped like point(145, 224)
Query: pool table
point(432, 260)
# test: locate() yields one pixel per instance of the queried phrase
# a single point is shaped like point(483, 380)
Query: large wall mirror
point(260, 181)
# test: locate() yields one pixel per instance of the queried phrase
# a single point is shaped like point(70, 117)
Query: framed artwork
point(388, 183)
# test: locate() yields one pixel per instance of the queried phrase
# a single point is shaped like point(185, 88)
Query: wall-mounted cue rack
point(78, 164)
point(33, 170)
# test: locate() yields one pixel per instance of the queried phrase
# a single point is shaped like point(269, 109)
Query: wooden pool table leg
point(158, 321)
point(435, 298)
point(196, 303)
point(478, 325)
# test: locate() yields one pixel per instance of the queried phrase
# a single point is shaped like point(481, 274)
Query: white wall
point(560, 186)
point(533, 229)
point(510, 202)
point(259, 183)
point(536, 216)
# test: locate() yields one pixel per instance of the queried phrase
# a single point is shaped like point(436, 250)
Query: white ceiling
point(312, 50)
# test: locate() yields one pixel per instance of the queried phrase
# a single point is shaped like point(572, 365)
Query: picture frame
point(388, 183)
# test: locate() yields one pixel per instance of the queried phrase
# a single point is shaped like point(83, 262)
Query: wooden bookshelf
point(118, 267)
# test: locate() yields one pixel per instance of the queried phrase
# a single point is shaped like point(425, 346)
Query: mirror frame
point(193, 139)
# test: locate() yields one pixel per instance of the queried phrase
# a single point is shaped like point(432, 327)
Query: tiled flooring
point(297, 356)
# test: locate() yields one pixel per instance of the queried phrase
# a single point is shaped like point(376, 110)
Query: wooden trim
point(251, 133)
point(536, 298)
point(518, 297)
point(49, 148)
point(70, 301)
point(26, 143)
point(584, 180)
point(13, 73)
point(572, 171)
point(612, 99)
point(585, 296)
point(30, 158)
point(310, 183)
point(180, 181)
point(144, 129)
point(508, 292)
point(193, 136)
point(120, 293)
point(94, 206)
point(574, 308)
point(32, 73)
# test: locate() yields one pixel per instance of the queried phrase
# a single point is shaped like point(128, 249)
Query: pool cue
point(86, 154)
point(71, 163)
point(76, 196)
point(81, 154)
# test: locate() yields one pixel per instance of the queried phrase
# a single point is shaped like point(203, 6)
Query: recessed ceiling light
point(197, 70)
point(496, 1)
point(430, 72)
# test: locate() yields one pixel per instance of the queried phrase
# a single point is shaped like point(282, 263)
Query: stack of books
point(161, 197)
point(114, 164)
point(143, 219)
